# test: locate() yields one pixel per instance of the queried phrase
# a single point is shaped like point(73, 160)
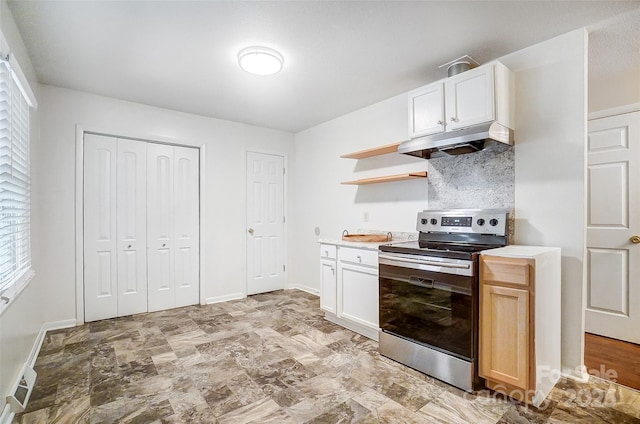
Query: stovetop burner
point(455, 233)
point(429, 249)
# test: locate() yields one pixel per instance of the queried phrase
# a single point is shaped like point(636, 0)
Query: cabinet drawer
point(327, 251)
point(359, 256)
point(505, 270)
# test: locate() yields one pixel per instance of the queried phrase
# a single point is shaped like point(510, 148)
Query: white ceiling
point(339, 56)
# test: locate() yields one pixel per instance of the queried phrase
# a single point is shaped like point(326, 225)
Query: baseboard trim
point(47, 326)
point(7, 416)
point(353, 326)
point(578, 374)
point(304, 288)
point(225, 298)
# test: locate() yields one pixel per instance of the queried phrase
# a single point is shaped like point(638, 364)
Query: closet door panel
point(160, 226)
point(100, 238)
point(132, 227)
point(187, 227)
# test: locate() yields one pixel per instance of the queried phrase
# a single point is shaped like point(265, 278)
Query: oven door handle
point(399, 261)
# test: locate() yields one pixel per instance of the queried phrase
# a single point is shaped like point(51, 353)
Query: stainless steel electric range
point(429, 293)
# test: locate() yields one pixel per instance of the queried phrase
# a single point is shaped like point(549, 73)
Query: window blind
point(15, 184)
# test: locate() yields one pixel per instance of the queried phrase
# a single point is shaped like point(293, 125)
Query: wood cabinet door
point(328, 285)
point(426, 110)
point(504, 335)
point(469, 98)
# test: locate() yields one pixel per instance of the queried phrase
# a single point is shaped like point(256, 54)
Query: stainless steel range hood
point(467, 140)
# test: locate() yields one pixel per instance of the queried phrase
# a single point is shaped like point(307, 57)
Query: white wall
point(549, 173)
point(226, 143)
point(21, 322)
point(321, 201)
point(550, 153)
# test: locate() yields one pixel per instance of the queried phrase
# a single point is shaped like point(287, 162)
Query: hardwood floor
point(613, 360)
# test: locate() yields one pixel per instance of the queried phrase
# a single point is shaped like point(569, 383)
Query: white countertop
point(518, 251)
point(396, 237)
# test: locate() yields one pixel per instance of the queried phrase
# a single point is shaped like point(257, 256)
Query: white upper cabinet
point(427, 110)
point(479, 95)
point(469, 98)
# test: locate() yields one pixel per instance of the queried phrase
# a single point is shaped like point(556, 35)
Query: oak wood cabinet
point(519, 351)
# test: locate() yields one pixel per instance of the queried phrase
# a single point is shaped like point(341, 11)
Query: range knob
point(434, 221)
point(480, 221)
point(424, 221)
point(493, 222)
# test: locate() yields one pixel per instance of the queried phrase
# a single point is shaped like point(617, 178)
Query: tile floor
point(271, 358)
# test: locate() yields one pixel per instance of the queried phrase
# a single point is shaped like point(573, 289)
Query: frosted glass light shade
point(260, 60)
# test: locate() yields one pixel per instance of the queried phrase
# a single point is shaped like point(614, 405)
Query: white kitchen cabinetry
point(328, 275)
point(480, 95)
point(350, 297)
point(426, 106)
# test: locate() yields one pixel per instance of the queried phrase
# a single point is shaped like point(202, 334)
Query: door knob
point(635, 239)
point(250, 231)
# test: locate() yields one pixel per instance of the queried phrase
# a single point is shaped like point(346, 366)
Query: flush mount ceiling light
point(259, 60)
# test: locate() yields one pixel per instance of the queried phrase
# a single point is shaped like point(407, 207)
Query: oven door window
point(429, 307)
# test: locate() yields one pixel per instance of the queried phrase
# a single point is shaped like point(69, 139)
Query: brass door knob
point(635, 239)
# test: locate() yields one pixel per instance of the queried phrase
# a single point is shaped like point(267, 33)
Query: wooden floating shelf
point(382, 150)
point(388, 178)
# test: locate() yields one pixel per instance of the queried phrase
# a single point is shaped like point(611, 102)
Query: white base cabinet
point(328, 275)
point(349, 296)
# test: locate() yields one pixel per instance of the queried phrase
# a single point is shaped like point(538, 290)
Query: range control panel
point(478, 221)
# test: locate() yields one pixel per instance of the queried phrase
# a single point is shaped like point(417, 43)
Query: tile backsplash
point(478, 180)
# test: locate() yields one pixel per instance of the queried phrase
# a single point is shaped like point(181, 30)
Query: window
point(15, 185)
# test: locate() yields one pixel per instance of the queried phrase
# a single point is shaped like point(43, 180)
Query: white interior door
point(100, 238)
point(265, 222)
point(131, 223)
point(613, 259)
point(187, 228)
point(160, 228)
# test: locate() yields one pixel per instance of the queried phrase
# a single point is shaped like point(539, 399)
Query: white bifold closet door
point(141, 227)
point(115, 240)
point(173, 226)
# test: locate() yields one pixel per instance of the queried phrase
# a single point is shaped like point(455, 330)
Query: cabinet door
point(504, 335)
point(328, 285)
point(426, 111)
point(469, 98)
point(358, 294)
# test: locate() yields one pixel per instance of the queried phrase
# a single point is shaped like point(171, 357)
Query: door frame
point(79, 205)
point(285, 161)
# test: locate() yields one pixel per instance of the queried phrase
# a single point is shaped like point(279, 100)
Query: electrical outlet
point(366, 216)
